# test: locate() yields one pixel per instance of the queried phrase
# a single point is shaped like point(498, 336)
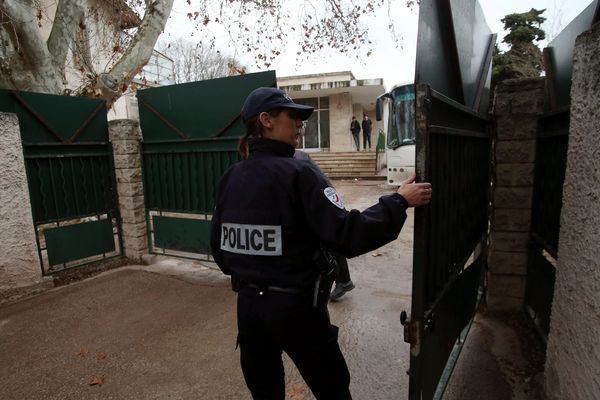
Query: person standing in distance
point(355, 129)
point(273, 215)
point(367, 124)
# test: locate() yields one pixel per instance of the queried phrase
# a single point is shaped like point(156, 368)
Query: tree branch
point(33, 58)
point(69, 14)
point(139, 51)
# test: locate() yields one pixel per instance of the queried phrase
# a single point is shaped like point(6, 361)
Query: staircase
point(347, 165)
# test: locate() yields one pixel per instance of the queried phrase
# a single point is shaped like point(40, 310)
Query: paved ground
point(167, 331)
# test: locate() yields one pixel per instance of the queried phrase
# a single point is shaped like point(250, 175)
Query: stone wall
point(573, 355)
point(517, 105)
point(125, 136)
point(19, 264)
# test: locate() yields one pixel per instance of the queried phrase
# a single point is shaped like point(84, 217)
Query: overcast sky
point(395, 64)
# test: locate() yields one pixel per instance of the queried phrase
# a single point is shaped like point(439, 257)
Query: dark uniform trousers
point(273, 322)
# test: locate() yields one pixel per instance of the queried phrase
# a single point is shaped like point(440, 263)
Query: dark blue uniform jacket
point(273, 212)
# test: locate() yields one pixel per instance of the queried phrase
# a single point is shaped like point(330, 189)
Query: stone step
point(347, 165)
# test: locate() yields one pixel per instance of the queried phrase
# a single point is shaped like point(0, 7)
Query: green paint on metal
point(67, 182)
point(62, 114)
point(70, 172)
point(7, 103)
point(198, 109)
point(182, 234)
point(453, 153)
point(190, 136)
point(74, 242)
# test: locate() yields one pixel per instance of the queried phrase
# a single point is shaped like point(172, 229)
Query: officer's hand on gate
point(416, 194)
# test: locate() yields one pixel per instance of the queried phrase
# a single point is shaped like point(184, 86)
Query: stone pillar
point(20, 263)
point(125, 136)
point(572, 368)
point(517, 105)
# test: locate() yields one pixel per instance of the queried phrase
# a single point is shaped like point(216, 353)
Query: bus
point(397, 110)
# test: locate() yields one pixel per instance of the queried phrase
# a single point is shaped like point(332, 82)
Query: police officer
point(273, 215)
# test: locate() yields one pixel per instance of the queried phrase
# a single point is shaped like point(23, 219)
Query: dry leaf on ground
point(82, 352)
point(97, 380)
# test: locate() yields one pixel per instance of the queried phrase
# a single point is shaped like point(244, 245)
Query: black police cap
point(266, 99)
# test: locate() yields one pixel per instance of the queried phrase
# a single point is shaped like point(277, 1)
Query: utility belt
point(317, 296)
point(271, 288)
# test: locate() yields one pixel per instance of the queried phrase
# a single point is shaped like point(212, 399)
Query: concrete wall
point(340, 115)
point(573, 354)
point(19, 264)
point(517, 105)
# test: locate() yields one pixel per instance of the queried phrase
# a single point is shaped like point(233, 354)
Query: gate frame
point(62, 222)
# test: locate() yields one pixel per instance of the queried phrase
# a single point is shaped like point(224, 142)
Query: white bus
point(397, 109)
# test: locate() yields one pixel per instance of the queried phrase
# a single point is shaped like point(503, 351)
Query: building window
point(316, 135)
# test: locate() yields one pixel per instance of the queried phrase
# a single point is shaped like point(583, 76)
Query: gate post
point(517, 105)
point(20, 263)
point(125, 137)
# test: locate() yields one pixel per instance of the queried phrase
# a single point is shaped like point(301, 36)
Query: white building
point(336, 96)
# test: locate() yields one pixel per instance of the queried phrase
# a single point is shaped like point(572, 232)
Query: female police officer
point(272, 217)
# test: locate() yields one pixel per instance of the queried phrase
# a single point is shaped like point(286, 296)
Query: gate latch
point(411, 329)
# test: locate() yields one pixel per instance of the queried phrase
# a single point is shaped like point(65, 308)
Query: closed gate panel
point(190, 135)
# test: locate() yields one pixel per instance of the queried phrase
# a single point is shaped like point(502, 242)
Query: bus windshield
point(401, 131)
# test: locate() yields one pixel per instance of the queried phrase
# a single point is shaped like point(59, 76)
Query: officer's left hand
point(416, 194)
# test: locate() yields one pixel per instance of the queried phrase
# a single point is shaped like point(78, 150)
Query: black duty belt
point(270, 288)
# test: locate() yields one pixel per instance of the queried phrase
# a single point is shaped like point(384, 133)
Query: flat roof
point(363, 91)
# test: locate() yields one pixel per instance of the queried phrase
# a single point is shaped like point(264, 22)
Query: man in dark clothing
point(366, 128)
point(355, 129)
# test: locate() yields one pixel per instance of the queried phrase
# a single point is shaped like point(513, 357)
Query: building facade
point(336, 97)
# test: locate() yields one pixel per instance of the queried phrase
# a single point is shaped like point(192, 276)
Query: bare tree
point(197, 61)
point(32, 59)
point(54, 46)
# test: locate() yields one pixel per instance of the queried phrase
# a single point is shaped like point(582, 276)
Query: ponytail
point(254, 130)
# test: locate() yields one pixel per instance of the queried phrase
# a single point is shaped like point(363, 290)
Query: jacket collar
point(262, 146)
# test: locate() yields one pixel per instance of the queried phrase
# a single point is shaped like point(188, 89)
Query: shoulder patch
point(333, 197)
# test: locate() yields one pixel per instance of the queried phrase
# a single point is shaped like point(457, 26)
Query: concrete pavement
point(167, 331)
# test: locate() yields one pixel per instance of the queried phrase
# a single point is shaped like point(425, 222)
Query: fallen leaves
point(376, 254)
point(97, 381)
point(297, 392)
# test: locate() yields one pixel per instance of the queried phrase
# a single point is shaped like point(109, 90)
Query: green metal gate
point(551, 161)
point(190, 134)
point(69, 166)
point(453, 153)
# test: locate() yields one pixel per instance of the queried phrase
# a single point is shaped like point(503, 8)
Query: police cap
point(265, 99)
